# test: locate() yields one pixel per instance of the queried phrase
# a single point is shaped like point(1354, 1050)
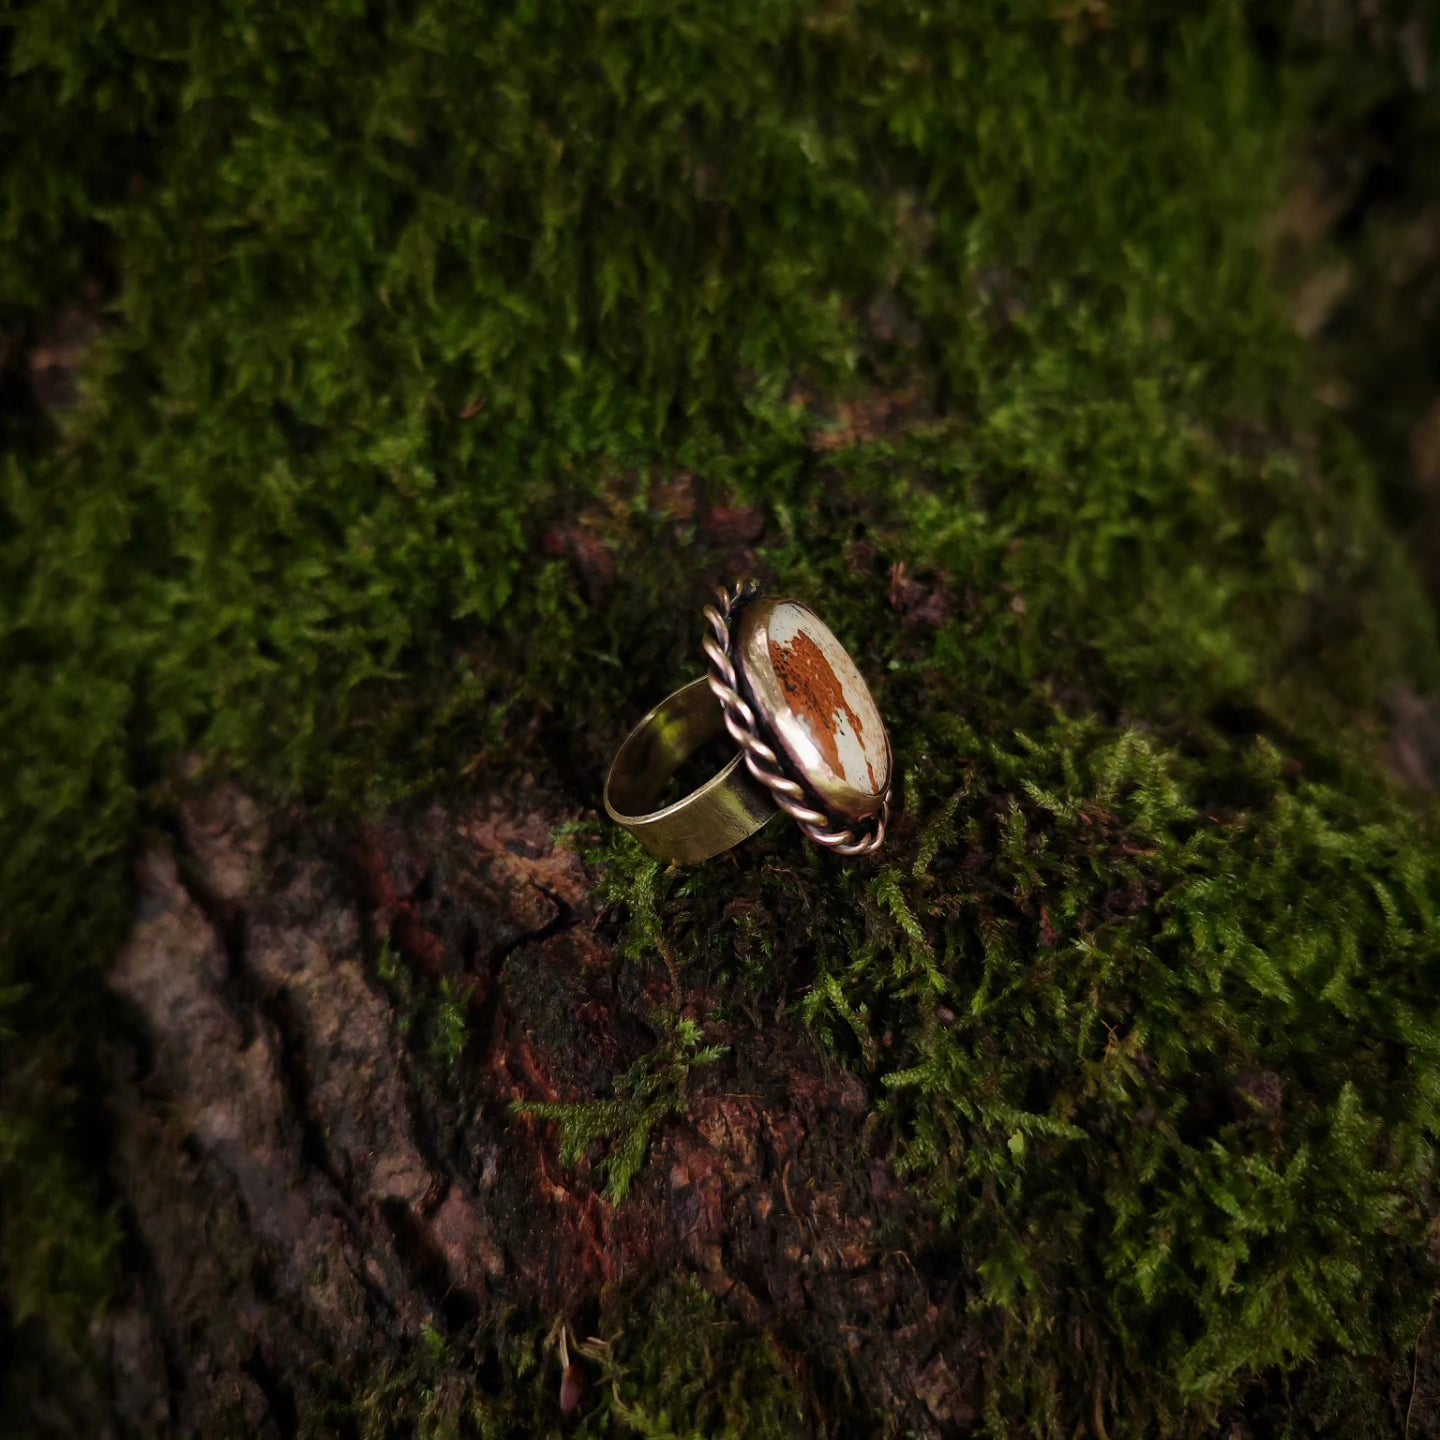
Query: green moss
point(669, 1364)
point(651, 1091)
point(688, 1370)
point(57, 1248)
point(1167, 1061)
point(1140, 985)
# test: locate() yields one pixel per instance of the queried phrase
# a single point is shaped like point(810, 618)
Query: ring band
point(726, 809)
point(809, 738)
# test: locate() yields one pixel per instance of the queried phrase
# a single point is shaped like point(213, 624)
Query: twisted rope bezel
point(859, 837)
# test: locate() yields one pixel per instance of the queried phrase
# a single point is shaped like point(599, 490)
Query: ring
point(809, 740)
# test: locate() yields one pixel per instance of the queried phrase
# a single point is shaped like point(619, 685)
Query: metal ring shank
point(725, 810)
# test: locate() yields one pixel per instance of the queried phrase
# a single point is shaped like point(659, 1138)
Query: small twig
point(1415, 1367)
point(668, 956)
point(785, 1186)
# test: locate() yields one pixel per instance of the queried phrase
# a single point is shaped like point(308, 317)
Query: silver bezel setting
point(831, 829)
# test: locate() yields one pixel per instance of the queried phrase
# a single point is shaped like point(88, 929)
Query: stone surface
point(814, 700)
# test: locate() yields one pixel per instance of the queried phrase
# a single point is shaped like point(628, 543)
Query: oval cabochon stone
point(816, 704)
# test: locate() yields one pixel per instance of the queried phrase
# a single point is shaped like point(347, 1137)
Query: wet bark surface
point(302, 1187)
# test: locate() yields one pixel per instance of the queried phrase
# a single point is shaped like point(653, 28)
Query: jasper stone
point(813, 701)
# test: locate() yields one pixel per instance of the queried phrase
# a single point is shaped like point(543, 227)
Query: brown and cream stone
point(813, 700)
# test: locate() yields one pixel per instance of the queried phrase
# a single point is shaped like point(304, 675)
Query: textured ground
point(382, 389)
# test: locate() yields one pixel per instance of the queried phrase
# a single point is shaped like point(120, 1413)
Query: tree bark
point(310, 1192)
